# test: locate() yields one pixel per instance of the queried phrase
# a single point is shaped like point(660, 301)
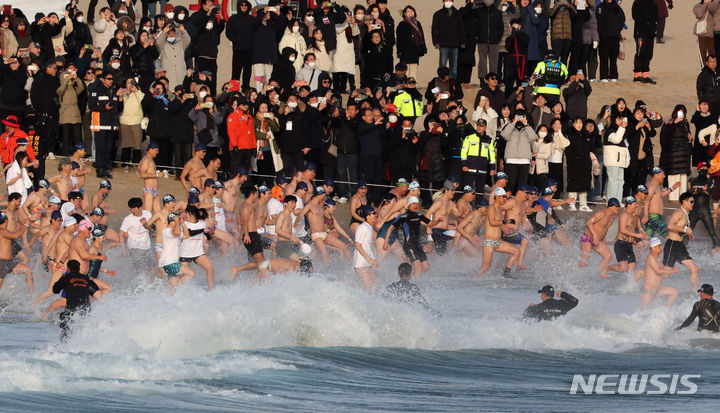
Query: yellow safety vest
point(474, 147)
point(408, 107)
point(557, 72)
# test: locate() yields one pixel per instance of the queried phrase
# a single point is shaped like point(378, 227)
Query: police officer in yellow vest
point(478, 157)
point(409, 101)
point(548, 77)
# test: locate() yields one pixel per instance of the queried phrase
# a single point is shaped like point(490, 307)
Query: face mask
point(148, 29)
point(209, 26)
point(292, 59)
point(122, 11)
point(80, 19)
point(375, 15)
point(516, 27)
point(292, 105)
point(315, 105)
point(170, 15)
point(296, 29)
point(202, 94)
point(310, 19)
point(448, 4)
point(702, 172)
point(171, 40)
point(542, 134)
point(115, 65)
point(359, 17)
point(538, 10)
point(311, 64)
point(392, 118)
point(504, 7)
point(181, 16)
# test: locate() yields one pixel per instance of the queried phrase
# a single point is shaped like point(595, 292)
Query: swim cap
point(707, 289)
point(153, 145)
point(193, 191)
point(97, 233)
point(301, 185)
point(365, 211)
point(310, 166)
point(499, 192)
point(329, 182)
point(105, 184)
point(262, 189)
point(319, 191)
point(329, 202)
point(414, 185)
point(43, 184)
point(642, 188)
point(3, 217)
point(200, 147)
point(85, 225)
point(401, 182)
point(56, 215)
point(209, 182)
point(547, 290)
point(550, 182)
point(241, 170)
point(654, 242)
point(548, 191)
point(613, 202)
point(453, 178)
point(482, 202)
point(69, 221)
point(80, 145)
point(276, 192)
point(305, 248)
point(219, 185)
point(500, 175)
point(468, 189)
point(523, 187)
point(98, 211)
point(413, 200)
point(361, 184)
point(55, 200)
point(656, 170)
point(171, 217)
point(168, 198)
point(280, 179)
point(629, 200)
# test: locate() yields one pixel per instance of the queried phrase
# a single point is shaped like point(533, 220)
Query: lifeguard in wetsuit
point(707, 310)
point(550, 308)
point(78, 288)
point(701, 187)
point(406, 292)
point(409, 223)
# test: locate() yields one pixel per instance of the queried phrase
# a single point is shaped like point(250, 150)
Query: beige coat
point(322, 58)
point(297, 42)
point(68, 94)
point(132, 113)
point(103, 31)
point(707, 11)
point(58, 41)
point(9, 43)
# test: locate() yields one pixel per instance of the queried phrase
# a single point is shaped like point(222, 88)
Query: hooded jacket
point(265, 44)
point(241, 29)
point(68, 93)
point(23, 40)
point(284, 70)
point(297, 42)
point(610, 19)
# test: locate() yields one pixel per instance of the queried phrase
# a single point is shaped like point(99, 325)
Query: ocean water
point(312, 344)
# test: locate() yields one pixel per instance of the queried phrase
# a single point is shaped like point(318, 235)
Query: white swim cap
point(305, 248)
point(654, 242)
point(413, 200)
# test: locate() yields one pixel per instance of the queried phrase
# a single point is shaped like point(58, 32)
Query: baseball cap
point(262, 189)
point(43, 183)
point(702, 165)
point(414, 185)
point(500, 175)
point(613, 202)
point(641, 188)
point(654, 242)
point(153, 145)
point(707, 289)
point(55, 200)
point(301, 185)
point(69, 221)
point(105, 184)
point(209, 182)
point(329, 182)
point(85, 225)
point(193, 191)
point(193, 200)
point(98, 211)
point(547, 290)
point(401, 182)
point(499, 192)
point(628, 200)
point(468, 189)
point(656, 170)
point(413, 200)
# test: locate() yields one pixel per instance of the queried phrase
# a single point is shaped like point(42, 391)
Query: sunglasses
point(108, 78)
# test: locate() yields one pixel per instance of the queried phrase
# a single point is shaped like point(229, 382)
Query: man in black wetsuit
point(707, 310)
point(701, 187)
point(406, 292)
point(550, 309)
point(78, 289)
point(409, 222)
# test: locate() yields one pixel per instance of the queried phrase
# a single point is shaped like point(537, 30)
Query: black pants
point(266, 166)
point(71, 134)
point(608, 51)
point(397, 172)
point(475, 180)
point(165, 154)
point(372, 171)
point(643, 54)
point(538, 181)
point(183, 153)
point(342, 80)
point(464, 73)
point(49, 131)
point(240, 157)
point(660, 28)
point(128, 155)
point(635, 174)
point(210, 65)
point(293, 162)
point(592, 64)
point(562, 47)
point(242, 63)
point(517, 174)
point(104, 141)
point(556, 172)
point(704, 214)
point(579, 57)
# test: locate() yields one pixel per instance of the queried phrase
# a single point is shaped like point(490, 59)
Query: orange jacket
point(9, 143)
point(241, 130)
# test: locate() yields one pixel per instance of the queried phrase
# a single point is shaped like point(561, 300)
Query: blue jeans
point(449, 55)
point(347, 165)
point(152, 10)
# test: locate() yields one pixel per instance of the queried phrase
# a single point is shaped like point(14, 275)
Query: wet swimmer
point(169, 258)
point(707, 310)
point(630, 232)
point(77, 289)
point(410, 224)
point(550, 308)
point(406, 292)
point(364, 259)
point(593, 239)
point(679, 229)
point(275, 266)
point(654, 273)
point(493, 231)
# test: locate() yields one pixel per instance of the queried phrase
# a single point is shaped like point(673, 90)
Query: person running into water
point(169, 257)
point(593, 239)
point(549, 308)
point(707, 311)
point(653, 217)
point(654, 274)
point(9, 263)
point(409, 223)
point(678, 228)
point(493, 231)
point(364, 255)
point(467, 238)
point(515, 221)
point(148, 173)
point(630, 233)
point(404, 291)
point(77, 288)
point(192, 248)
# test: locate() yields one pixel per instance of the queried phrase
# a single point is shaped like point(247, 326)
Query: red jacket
point(9, 143)
point(241, 130)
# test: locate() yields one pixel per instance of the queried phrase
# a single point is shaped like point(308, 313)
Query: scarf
point(210, 122)
point(162, 97)
point(21, 33)
point(417, 36)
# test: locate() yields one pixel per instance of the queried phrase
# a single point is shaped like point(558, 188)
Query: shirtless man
point(274, 266)
point(287, 243)
point(401, 189)
point(77, 157)
point(248, 229)
point(307, 176)
point(191, 166)
point(401, 204)
point(36, 205)
point(464, 207)
point(59, 250)
point(514, 222)
point(101, 196)
point(493, 231)
point(678, 227)
point(47, 234)
point(8, 263)
point(291, 186)
point(62, 181)
point(79, 247)
point(231, 193)
point(593, 238)
point(148, 173)
point(15, 218)
point(630, 232)
point(501, 180)
point(315, 216)
point(440, 211)
point(467, 238)
point(654, 273)
point(653, 216)
point(207, 172)
point(160, 220)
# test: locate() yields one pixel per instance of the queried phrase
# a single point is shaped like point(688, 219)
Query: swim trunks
point(172, 270)
point(514, 238)
point(673, 252)
point(158, 247)
point(656, 225)
point(265, 265)
point(6, 267)
point(585, 238)
point(321, 235)
point(384, 230)
point(150, 190)
point(624, 251)
point(255, 246)
point(495, 243)
point(189, 259)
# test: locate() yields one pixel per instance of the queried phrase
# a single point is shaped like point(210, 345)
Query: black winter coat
point(466, 55)
point(157, 113)
point(377, 62)
point(645, 14)
point(708, 87)
point(12, 88)
point(114, 48)
point(284, 71)
point(326, 23)
point(576, 25)
point(490, 25)
point(347, 139)
point(207, 41)
point(293, 141)
point(576, 97)
point(432, 148)
point(389, 23)
point(265, 43)
point(371, 138)
point(610, 19)
point(180, 126)
point(407, 50)
point(577, 154)
point(448, 29)
point(675, 148)
point(43, 34)
point(315, 120)
point(143, 59)
point(403, 152)
point(43, 94)
point(241, 30)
